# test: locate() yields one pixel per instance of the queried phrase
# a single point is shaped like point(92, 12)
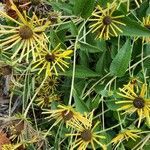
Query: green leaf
point(111, 104)
point(120, 62)
point(101, 63)
point(84, 58)
point(55, 39)
point(78, 6)
point(79, 103)
point(81, 72)
point(88, 8)
point(83, 8)
point(133, 28)
point(61, 6)
point(73, 29)
point(90, 48)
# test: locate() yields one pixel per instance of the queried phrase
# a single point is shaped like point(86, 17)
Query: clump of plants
point(74, 75)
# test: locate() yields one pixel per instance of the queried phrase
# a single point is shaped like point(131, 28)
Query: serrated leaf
point(79, 103)
point(133, 28)
point(59, 6)
point(90, 48)
point(73, 29)
point(88, 8)
point(81, 72)
point(101, 63)
point(120, 62)
point(111, 104)
point(83, 8)
point(55, 39)
point(78, 6)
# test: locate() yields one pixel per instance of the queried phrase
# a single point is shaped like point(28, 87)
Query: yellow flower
point(125, 135)
point(65, 114)
point(25, 36)
point(135, 102)
point(146, 23)
point(45, 100)
point(86, 135)
point(105, 23)
point(50, 84)
point(52, 61)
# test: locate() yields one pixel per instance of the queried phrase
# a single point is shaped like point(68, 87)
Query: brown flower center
point(25, 32)
point(107, 20)
point(67, 115)
point(86, 135)
point(138, 102)
point(50, 57)
point(51, 83)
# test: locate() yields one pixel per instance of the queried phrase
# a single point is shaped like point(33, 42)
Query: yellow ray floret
point(25, 36)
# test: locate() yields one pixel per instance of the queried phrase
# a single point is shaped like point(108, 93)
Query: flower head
point(65, 114)
point(49, 85)
point(86, 135)
point(45, 100)
point(52, 61)
point(125, 135)
point(135, 102)
point(26, 36)
point(105, 23)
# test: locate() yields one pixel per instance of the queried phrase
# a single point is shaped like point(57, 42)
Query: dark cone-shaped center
point(25, 32)
point(67, 115)
point(138, 102)
point(50, 57)
point(107, 20)
point(51, 83)
point(86, 135)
